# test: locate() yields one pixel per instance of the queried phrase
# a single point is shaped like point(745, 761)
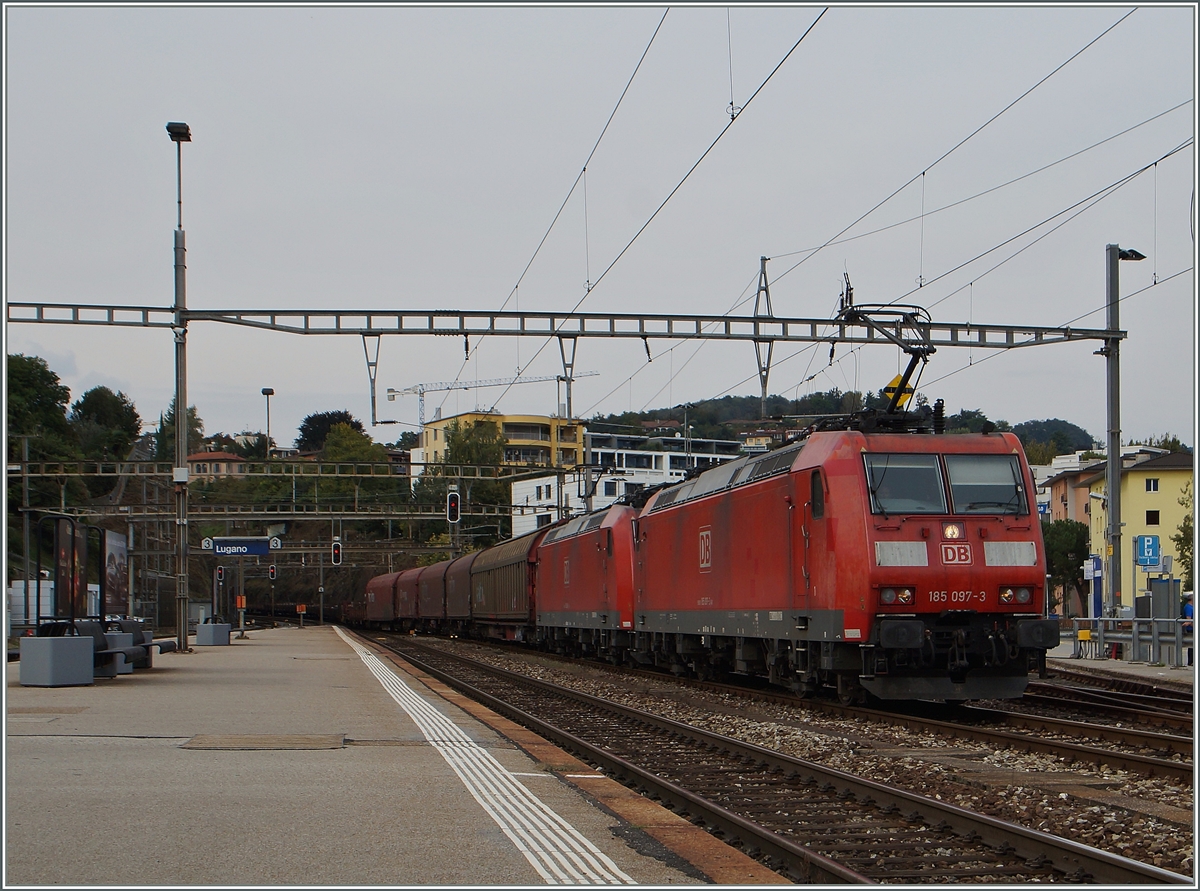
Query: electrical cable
point(678, 186)
point(515, 290)
point(958, 145)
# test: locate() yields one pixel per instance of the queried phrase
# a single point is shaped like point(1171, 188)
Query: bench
point(104, 657)
point(144, 637)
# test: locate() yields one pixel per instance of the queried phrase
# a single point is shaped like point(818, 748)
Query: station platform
point(309, 757)
point(1148, 672)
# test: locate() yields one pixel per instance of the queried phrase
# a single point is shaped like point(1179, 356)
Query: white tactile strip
point(555, 848)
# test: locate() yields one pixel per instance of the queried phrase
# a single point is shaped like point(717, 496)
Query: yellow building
point(530, 439)
point(1150, 493)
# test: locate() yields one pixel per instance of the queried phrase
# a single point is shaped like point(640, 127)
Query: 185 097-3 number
point(958, 597)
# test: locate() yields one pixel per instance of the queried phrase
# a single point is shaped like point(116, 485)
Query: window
point(241, 468)
point(818, 495)
point(905, 484)
point(631, 488)
point(610, 489)
point(539, 493)
point(986, 484)
point(216, 468)
point(543, 520)
point(1151, 518)
point(1151, 484)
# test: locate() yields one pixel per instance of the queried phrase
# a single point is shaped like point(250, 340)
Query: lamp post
point(180, 133)
point(268, 392)
point(1112, 353)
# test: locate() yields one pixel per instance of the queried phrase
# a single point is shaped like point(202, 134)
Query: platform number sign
point(1146, 548)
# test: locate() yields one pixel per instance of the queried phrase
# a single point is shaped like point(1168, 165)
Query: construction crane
point(421, 389)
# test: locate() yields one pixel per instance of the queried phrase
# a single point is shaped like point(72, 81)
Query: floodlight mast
point(180, 133)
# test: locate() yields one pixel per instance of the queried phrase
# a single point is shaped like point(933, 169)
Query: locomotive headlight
point(1007, 595)
point(888, 595)
point(905, 595)
point(1024, 595)
point(953, 531)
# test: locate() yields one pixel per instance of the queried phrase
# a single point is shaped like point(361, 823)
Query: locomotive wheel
point(849, 692)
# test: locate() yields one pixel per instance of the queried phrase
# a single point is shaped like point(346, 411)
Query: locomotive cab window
point(905, 484)
point(818, 495)
point(986, 484)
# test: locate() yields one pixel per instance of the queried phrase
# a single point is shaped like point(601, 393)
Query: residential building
point(1150, 493)
point(622, 465)
point(210, 466)
point(530, 439)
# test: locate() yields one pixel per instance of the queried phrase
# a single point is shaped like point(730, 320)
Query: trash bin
point(56, 661)
point(212, 634)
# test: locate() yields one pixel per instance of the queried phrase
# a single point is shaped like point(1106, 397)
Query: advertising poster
point(115, 583)
point(70, 570)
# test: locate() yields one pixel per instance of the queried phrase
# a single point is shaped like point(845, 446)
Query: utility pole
point(1112, 353)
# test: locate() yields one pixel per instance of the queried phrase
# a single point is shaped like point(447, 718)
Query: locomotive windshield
point(986, 484)
point(905, 484)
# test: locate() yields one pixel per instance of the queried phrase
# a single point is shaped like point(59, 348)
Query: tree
point(106, 423)
point(315, 428)
point(1183, 540)
point(409, 439)
point(37, 399)
point(478, 444)
point(1067, 545)
point(164, 440)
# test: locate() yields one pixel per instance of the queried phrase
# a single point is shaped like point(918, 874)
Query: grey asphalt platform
point(282, 760)
point(1149, 672)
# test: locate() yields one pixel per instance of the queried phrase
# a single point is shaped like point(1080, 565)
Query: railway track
point(812, 823)
point(1024, 732)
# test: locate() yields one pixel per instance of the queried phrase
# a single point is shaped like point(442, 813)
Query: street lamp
point(180, 133)
point(1112, 352)
point(268, 392)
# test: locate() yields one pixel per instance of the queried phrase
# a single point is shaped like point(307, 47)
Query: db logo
point(958, 554)
point(706, 549)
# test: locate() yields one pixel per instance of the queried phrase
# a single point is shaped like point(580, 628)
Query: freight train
point(875, 556)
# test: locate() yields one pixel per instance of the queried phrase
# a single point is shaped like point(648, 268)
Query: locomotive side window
point(818, 495)
point(986, 484)
point(905, 484)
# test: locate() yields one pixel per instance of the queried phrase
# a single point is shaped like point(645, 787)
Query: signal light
point(337, 553)
point(271, 572)
point(220, 573)
point(453, 506)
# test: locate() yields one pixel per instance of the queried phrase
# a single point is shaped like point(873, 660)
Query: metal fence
point(1157, 641)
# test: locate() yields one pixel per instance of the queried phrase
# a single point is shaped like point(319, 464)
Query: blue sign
point(1146, 548)
point(242, 547)
point(1043, 507)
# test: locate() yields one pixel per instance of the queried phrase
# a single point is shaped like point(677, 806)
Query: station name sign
point(246, 546)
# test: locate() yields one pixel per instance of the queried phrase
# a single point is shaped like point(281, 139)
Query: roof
point(1169, 461)
point(215, 456)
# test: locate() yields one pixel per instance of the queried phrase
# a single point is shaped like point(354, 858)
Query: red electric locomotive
point(585, 587)
point(906, 565)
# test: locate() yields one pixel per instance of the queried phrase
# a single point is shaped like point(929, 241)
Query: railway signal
point(220, 573)
point(337, 553)
point(453, 506)
point(271, 572)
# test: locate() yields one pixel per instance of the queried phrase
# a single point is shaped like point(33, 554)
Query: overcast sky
point(400, 158)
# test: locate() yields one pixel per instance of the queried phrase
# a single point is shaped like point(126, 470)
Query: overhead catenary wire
point(515, 292)
point(953, 204)
point(685, 178)
point(987, 191)
point(1089, 202)
point(958, 145)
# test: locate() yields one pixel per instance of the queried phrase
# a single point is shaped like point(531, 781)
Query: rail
point(1140, 639)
